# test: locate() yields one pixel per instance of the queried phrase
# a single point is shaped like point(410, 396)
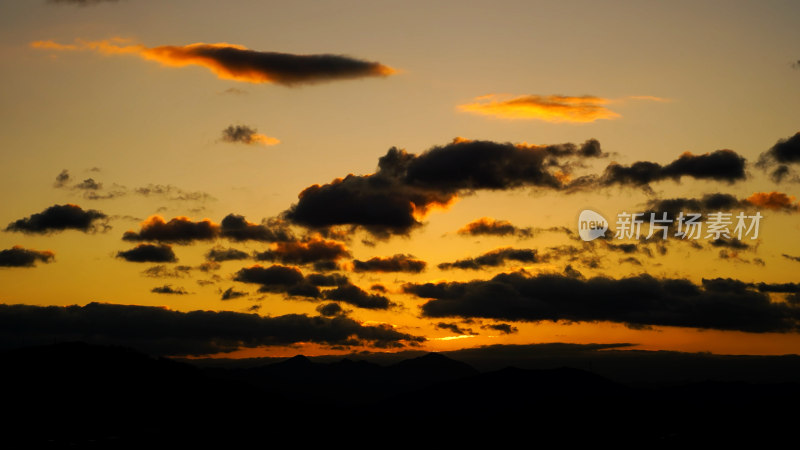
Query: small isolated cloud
point(395, 263)
point(17, 256)
point(59, 218)
point(148, 253)
point(503, 328)
point(455, 329)
point(491, 227)
point(777, 201)
point(236, 62)
point(548, 108)
point(168, 289)
point(62, 179)
point(330, 310)
point(245, 135)
point(231, 294)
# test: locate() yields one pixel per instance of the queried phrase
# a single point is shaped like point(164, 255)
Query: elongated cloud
point(548, 108)
point(247, 135)
point(236, 62)
point(18, 256)
point(168, 289)
point(776, 201)
point(307, 251)
point(59, 218)
point(394, 263)
point(183, 230)
point(161, 331)
point(492, 227)
point(494, 258)
point(637, 301)
point(720, 165)
point(180, 230)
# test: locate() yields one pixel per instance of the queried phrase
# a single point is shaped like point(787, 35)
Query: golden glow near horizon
point(141, 145)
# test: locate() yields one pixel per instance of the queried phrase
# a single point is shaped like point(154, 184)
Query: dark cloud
point(356, 296)
point(503, 328)
point(406, 186)
point(17, 256)
point(62, 179)
point(59, 218)
point(307, 251)
point(237, 228)
point(148, 253)
point(455, 329)
point(779, 157)
point(493, 258)
point(721, 165)
point(785, 151)
point(241, 64)
point(168, 289)
point(180, 230)
point(168, 332)
point(325, 266)
point(220, 254)
point(395, 263)
point(230, 294)
point(330, 310)
point(246, 135)
point(378, 288)
point(637, 301)
point(790, 257)
point(491, 227)
point(275, 275)
point(734, 244)
point(334, 279)
point(776, 201)
point(162, 271)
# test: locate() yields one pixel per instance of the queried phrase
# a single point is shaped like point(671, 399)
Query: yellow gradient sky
point(88, 89)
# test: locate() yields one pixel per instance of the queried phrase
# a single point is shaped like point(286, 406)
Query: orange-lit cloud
point(236, 62)
point(774, 200)
point(247, 135)
point(548, 108)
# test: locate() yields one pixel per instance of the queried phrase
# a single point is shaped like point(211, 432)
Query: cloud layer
point(639, 301)
point(165, 332)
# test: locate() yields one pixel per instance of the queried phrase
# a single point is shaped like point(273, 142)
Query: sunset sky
point(335, 176)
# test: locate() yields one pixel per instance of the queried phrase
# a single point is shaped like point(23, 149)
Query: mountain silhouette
point(81, 395)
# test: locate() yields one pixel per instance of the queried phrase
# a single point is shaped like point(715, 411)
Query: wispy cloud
point(548, 108)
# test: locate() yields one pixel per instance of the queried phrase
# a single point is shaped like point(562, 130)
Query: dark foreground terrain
point(77, 395)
